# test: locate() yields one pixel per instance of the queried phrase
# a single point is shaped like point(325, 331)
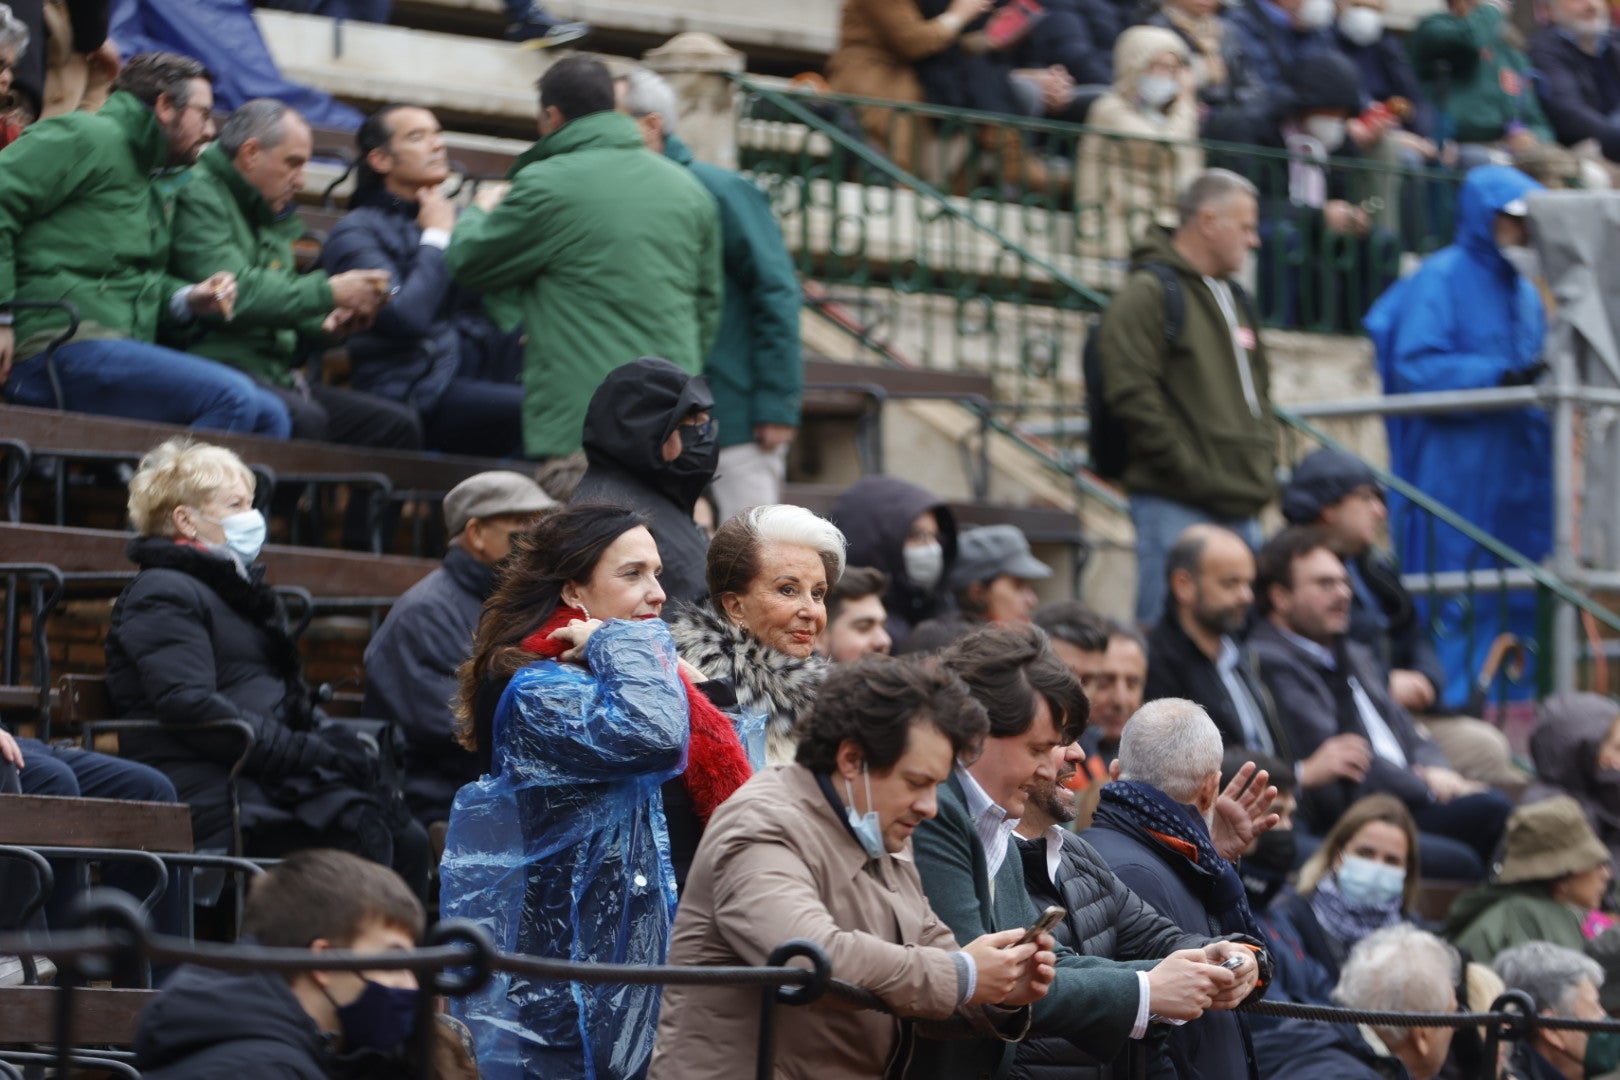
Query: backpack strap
point(1175, 301)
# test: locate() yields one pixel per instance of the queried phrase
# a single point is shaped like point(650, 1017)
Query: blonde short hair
point(179, 472)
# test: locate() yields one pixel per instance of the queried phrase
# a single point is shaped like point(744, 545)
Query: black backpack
point(1107, 438)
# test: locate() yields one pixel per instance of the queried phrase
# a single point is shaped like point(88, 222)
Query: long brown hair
point(564, 545)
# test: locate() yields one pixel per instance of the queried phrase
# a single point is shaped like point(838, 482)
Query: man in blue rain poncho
point(561, 850)
point(1469, 319)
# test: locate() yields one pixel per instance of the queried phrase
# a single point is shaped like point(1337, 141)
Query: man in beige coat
point(820, 850)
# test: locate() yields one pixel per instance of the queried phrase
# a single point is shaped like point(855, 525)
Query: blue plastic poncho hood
point(1484, 193)
point(562, 851)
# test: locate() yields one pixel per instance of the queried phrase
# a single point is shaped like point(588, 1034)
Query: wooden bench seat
point(101, 1016)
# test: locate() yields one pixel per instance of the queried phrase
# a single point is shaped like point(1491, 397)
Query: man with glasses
point(86, 202)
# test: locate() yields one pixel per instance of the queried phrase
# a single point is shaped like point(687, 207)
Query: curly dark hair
point(1006, 666)
point(876, 700)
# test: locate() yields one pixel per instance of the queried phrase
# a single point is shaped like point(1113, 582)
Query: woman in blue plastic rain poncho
point(577, 702)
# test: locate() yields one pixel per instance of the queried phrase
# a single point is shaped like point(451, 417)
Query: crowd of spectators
point(648, 737)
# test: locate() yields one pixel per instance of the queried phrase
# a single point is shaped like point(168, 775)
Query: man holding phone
point(1103, 917)
point(975, 881)
point(817, 850)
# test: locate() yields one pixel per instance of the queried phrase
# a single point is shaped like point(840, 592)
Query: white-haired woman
point(770, 569)
point(199, 636)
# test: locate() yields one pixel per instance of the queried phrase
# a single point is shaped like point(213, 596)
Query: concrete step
point(792, 37)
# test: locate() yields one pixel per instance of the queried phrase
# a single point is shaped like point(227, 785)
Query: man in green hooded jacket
point(609, 251)
point(86, 208)
point(237, 214)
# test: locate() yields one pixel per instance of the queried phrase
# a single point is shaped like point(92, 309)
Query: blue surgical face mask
point(381, 1018)
point(866, 827)
point(244, 533)
point(1365, 883)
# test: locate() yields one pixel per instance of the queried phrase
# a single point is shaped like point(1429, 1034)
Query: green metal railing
point(957, 241)
point(1074, 196)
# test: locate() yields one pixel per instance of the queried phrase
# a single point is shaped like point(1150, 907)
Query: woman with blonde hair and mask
point(1142, 148)
point(1362, 878)
point(200, 636)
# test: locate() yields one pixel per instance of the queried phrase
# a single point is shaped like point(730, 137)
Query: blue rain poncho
point(562, 851)
point(1462, 322)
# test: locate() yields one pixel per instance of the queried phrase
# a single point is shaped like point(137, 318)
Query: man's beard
point(1046, 799)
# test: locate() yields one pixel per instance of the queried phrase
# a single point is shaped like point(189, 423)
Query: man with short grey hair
point(236, 215)
point(755, 369)
point(1153, 827)
point(1185, 381)
point(1561, 982)
point(1397, 969)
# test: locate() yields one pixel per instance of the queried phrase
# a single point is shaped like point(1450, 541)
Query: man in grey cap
point(1338, 493)
point(990, 581)
point(412, 659)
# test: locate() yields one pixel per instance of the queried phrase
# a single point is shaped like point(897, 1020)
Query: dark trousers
point(329, 414)
point(475, 417)
point(1457, 840)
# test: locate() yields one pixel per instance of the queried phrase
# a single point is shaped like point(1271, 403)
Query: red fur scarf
point(716, 765)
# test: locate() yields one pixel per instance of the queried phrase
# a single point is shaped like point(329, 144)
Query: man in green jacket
point(755, 368)
point(86, 205)
point(1200, 441)
point(1477, 75)
point(237, 214)
point(609, 251)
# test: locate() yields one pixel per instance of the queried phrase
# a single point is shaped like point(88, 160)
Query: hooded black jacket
point(876, 514)
point(212, 1024)
point(630, 416)
point(193, 640)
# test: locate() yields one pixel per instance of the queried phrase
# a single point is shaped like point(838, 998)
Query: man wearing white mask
point(909, 534)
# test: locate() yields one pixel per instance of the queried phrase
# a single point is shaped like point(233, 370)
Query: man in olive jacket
point(1200, 444)
point(237, 214)
point(86, 204)
point(603, 250)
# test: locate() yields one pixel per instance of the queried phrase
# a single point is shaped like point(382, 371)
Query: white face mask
point(1327, 130)
point(1157, 91)
point(925, 564)
point(1361, 25)
point(1315, 14)
point(1526, 260)
point(244, 533)
point(867, 828)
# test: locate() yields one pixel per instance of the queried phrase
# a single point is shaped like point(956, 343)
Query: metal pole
point(1564, 563)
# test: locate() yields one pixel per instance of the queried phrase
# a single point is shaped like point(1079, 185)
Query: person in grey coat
point(412, 659)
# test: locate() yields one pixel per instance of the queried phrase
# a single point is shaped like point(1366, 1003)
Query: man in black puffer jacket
point(1105, 918)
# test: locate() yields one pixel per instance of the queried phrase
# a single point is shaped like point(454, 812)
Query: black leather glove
point(350, 758)
point(1524, 376)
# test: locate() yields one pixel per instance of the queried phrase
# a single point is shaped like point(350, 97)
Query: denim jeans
point(142, 381)
point(1159, 524)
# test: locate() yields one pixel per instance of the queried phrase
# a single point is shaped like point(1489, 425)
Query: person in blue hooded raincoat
point(1469, 319)
point(576, 702)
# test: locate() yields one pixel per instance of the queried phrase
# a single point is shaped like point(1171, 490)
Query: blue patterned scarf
point(1348, 923)
point(1137, 806)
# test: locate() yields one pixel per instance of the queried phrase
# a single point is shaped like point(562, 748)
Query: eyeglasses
point(701, 429)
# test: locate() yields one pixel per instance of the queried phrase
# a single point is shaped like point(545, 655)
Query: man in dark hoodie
point(910, 535)
point(1202, 441)
point(309, 1025)
point(651, 445)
